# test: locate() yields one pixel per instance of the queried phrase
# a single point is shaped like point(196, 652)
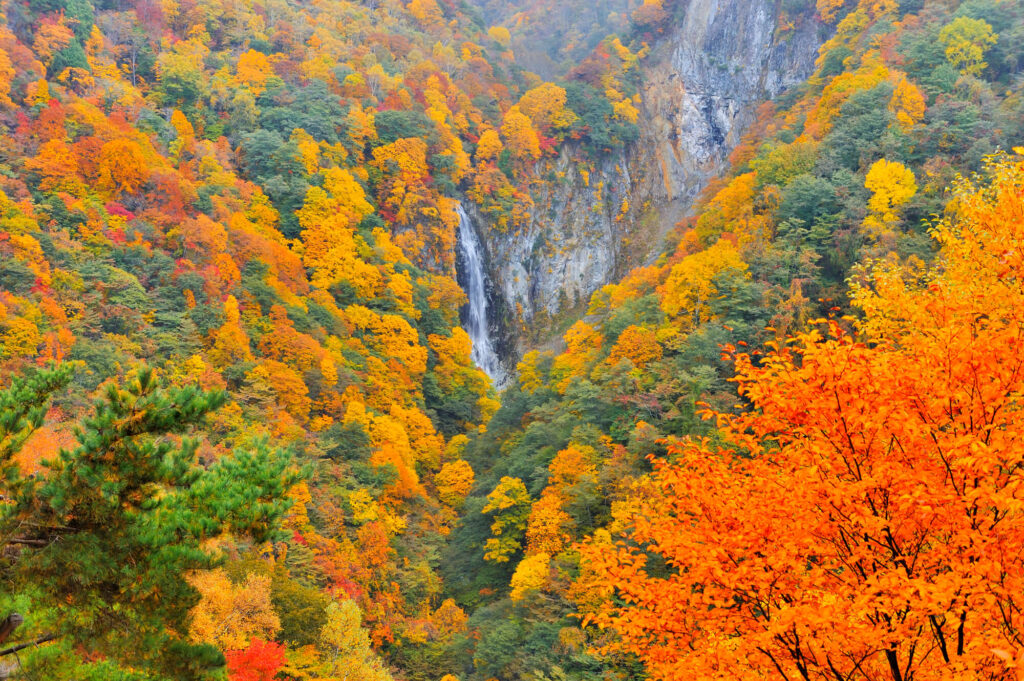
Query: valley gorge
point(702, 85)
point(511, 340)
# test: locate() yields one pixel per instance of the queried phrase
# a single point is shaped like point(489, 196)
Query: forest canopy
point(242, 432)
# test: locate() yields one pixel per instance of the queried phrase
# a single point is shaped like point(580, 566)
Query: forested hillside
point(242, 435)
point(856, 165)
point(258, 202)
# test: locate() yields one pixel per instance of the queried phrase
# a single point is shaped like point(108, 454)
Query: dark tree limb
point(28, 542)
point(28, 644)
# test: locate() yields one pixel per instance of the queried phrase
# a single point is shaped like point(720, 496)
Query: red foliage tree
point(260, 661)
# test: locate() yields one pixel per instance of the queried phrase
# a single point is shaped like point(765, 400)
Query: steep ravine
point(703, 83)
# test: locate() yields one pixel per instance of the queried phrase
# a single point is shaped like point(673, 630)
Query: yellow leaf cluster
point(691, 284)
point(229, 615)
point(530, 576)
point(454, 482)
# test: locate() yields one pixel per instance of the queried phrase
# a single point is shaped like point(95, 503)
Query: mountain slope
point(846, 167)
point(262, 199)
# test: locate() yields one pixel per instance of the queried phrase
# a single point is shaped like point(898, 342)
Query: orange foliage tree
point(864, 520)
point(828, 9)
point(254, 69)
point(56, 167)
point(123, 167)
point(636, 344)
point(6, 76)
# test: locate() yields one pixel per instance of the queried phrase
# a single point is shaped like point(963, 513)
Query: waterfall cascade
point(475, 315)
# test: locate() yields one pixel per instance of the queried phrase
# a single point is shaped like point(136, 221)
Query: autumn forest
point(547, 340)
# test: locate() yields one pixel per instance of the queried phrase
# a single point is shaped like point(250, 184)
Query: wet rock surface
point(703, 84)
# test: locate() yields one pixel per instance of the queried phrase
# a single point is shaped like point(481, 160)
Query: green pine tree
point(121, 521)
point(22, 409)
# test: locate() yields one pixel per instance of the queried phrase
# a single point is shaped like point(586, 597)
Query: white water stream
point(475, 319)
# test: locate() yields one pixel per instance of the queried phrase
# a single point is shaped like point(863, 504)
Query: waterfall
point(475, 314)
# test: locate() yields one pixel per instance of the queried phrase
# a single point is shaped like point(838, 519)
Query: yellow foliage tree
point(454, 369)
point(730, 210)
point(50, 37)
point(328, 219)
point(966, 41)
point(520, 137)
point(583, 343)
point(691, 283)
point(907, 104)
point(392, 336)
point(531, 376)
point(182, 68)
point(309, 150)
point(545, 105)
point(489, 146)
point(509, 505)
point(454, 482)
point(228, 615)
point(21, 338)
point(230, 344)
point(626, 110)
point(530, 576)
point(345, 646)
point(872, 71)
point(361, 126)
point(892, 184)
point(500, 35)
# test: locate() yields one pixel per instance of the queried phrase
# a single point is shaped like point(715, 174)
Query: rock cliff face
point(702, 85)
